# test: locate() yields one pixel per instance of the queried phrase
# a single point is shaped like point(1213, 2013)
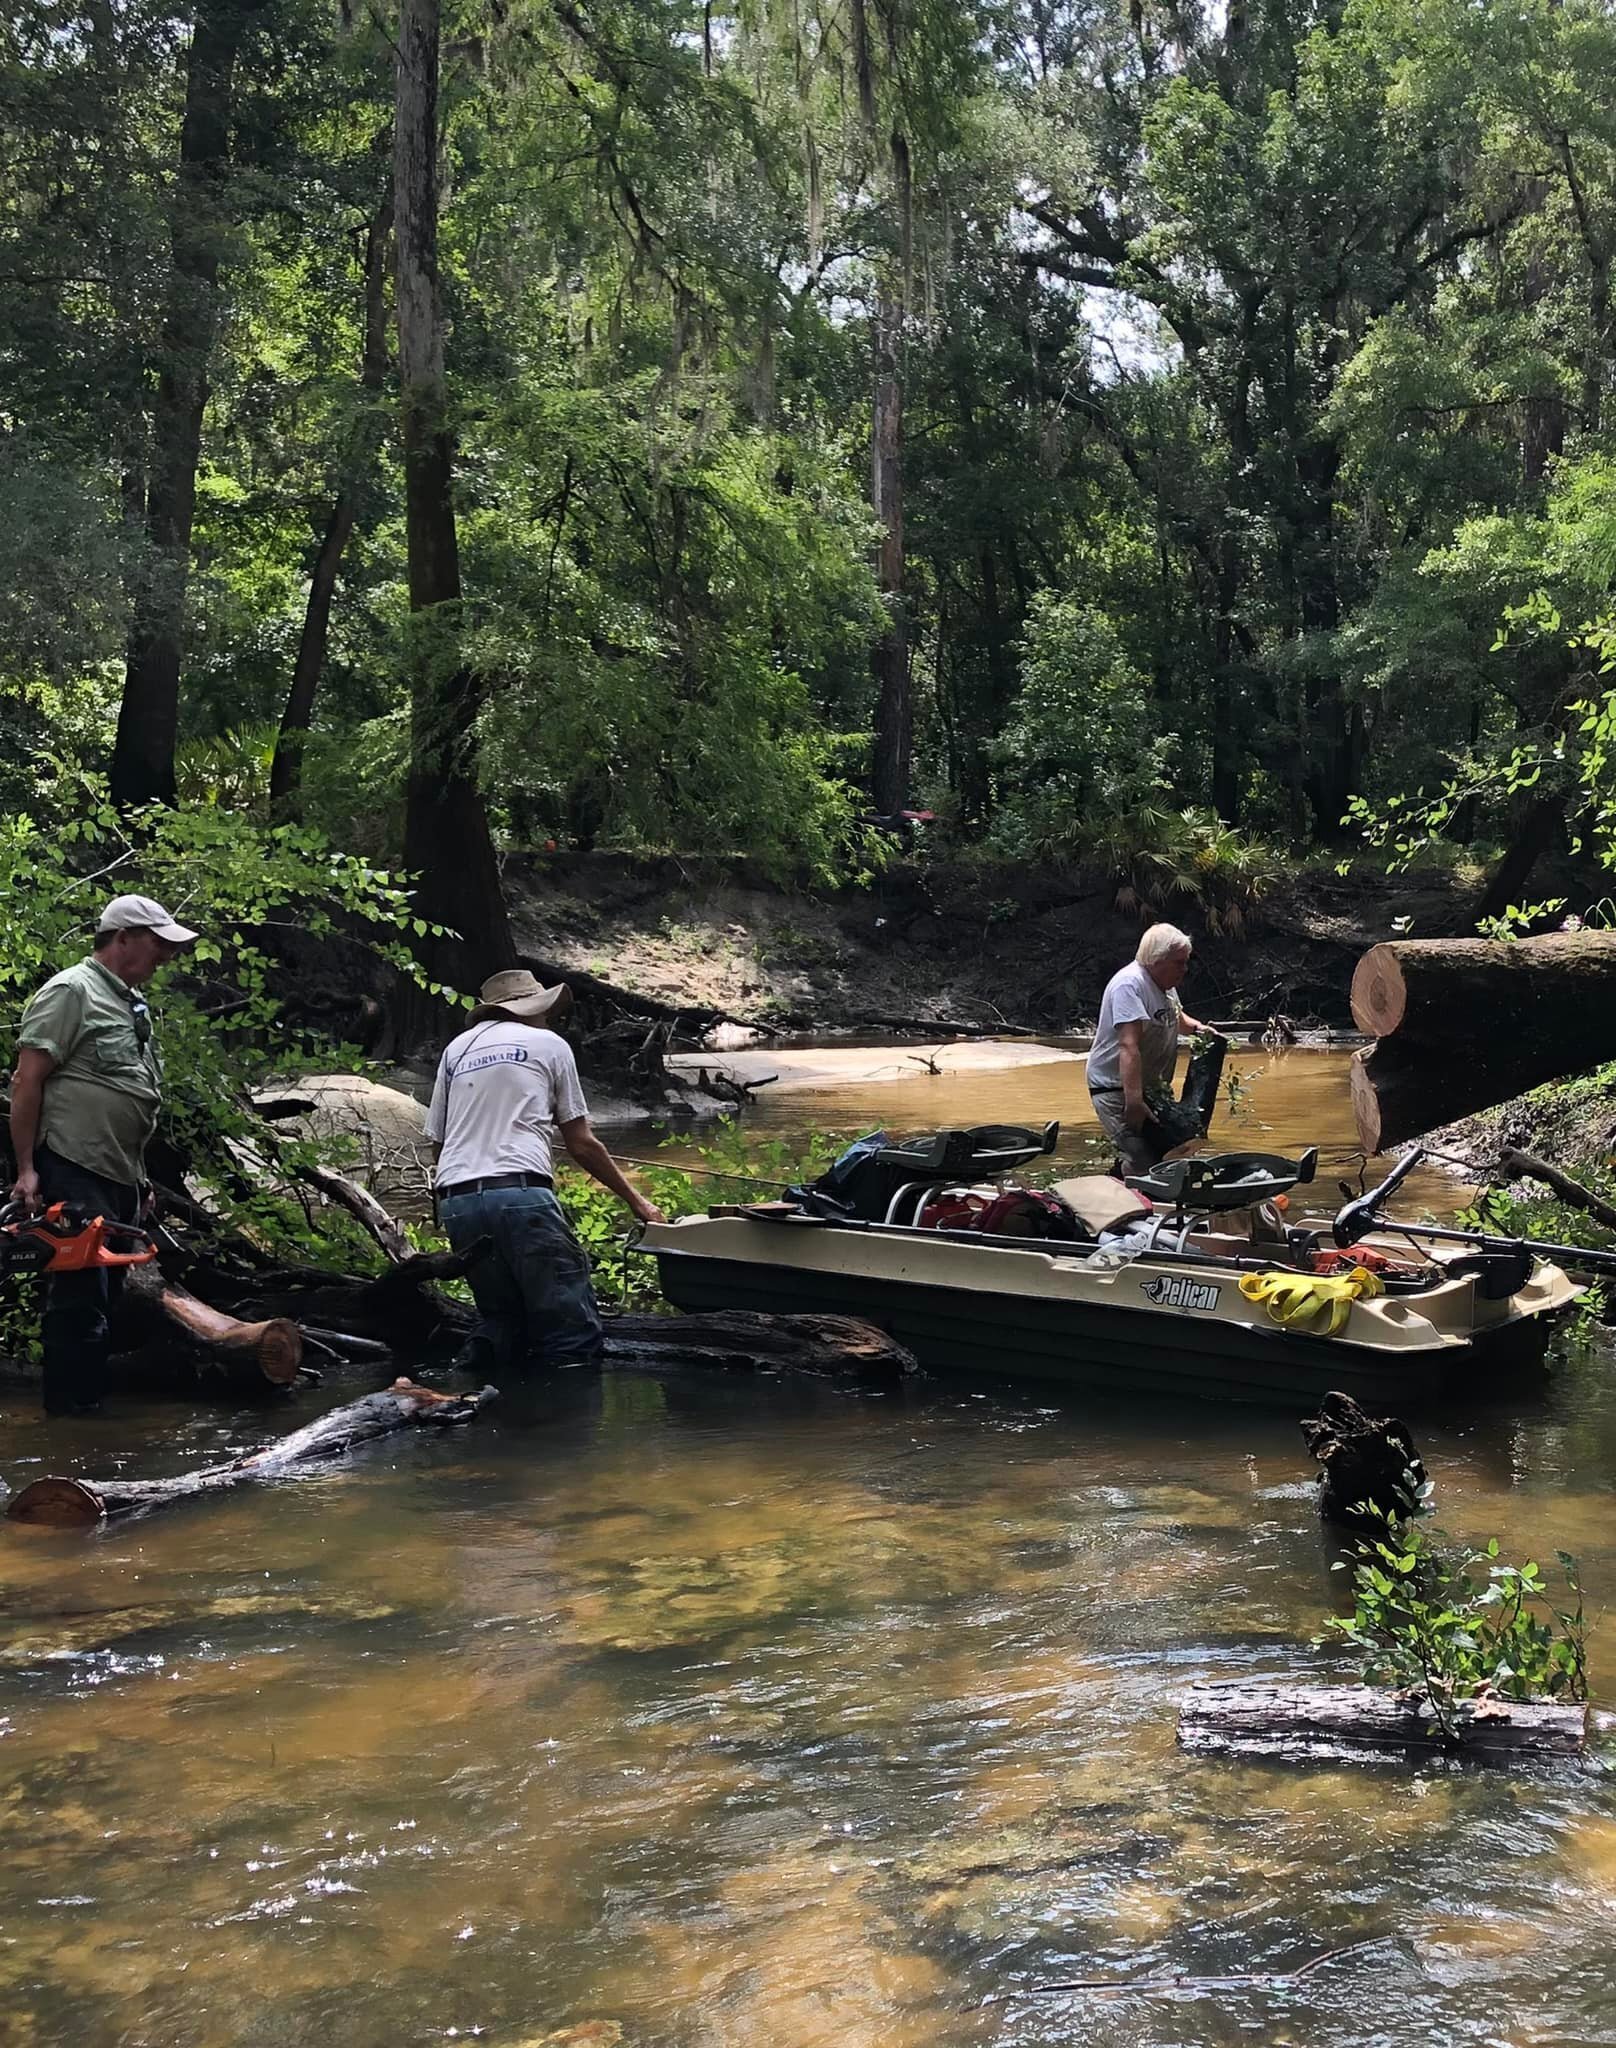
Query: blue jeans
point(534, 1301)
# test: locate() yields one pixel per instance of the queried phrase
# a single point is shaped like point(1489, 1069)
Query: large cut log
point(1465, 1023)
point(85, 1503)
point(251, 1357)
point(1255, 1718)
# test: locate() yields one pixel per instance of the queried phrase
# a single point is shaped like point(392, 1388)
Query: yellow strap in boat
point(1315, 1302)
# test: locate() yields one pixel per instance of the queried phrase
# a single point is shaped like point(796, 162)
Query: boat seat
point(1225, 1180)
point(1101, 1203)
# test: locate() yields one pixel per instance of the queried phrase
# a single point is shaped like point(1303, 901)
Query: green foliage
point(737, 1165)
point(1171, 862)
point(1455, 1626)
point(218, 1010)
point(1082, 752)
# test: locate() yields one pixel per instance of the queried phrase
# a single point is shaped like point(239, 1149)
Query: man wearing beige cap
point(505, 1087)
point(84, 1102)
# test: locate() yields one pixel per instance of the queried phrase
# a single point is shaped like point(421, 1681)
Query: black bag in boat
point(872, 1171)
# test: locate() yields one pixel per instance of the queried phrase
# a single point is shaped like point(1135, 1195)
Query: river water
point(700, 1713)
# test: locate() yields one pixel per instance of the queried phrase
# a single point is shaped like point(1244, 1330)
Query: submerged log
point(1465, 1023)
point(836, 1347)
point(1369, 1463)
point(60, 1503)
point(1295, 1722)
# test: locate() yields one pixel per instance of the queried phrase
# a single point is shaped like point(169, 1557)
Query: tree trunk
point(889, 659)
point(1541, 829)
point(1252, 1718)
point(85, 1503)
point(1476, 1022)
point(148, 716)
point(447, 845)
point(286, 770)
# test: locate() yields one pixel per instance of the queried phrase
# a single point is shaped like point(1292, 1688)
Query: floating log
point(1369, 1462)
point(834, 1347)
point(1294, 1721)
point(60, 1503)
point(252, 1357)
point(1466, 1023)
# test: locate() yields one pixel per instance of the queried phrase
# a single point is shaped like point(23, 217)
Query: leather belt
point(490, 1181)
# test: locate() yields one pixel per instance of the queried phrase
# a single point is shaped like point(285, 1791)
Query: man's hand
point(148, 1204)
point(647, 1212)
point(1134, 1114)
point(25, 1189)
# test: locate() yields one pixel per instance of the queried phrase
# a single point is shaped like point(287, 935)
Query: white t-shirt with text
point(1132, 997)
point(502, 1088)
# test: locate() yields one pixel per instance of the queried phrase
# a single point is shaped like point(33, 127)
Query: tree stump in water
point(1370, 1466)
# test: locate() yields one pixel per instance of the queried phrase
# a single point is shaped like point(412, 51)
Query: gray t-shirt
point(1131, 997)
point(502, 1088)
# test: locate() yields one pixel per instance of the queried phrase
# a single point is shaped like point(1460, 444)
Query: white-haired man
point(1136, 1045)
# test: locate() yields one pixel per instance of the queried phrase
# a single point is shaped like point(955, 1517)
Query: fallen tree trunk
point(60, 1503)
point(1465, 1023)
point(252, 1357)
point(1296, 1722)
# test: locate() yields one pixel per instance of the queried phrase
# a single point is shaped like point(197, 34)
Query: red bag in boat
point(1027, 1212)
point(953, 1209)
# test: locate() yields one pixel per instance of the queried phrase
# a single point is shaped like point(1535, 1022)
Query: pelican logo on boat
point(1169, 1293)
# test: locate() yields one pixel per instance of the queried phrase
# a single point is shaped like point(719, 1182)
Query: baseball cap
point(141, 914)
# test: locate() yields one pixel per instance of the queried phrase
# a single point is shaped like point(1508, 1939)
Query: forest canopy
point(460, 423)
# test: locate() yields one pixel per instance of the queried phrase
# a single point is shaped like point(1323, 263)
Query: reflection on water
point(727, 1713)
point(1281, 1101)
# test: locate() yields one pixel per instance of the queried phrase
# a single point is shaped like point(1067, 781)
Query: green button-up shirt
point(101, 1098)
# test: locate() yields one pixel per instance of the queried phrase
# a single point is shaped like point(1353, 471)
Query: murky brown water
point(752, 1715)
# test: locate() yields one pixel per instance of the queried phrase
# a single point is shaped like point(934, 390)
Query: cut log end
point(54, 1503)
point(1379, 993)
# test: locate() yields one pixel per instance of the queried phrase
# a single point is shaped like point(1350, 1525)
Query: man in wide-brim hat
point(505, 1088)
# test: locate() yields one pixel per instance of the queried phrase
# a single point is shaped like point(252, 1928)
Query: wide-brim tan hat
point(515, 993)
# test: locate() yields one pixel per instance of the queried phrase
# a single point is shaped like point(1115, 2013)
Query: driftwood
point(1464, 1023)
point(1294, 1721)
point(1526, 1166)
point(1369, 1463)
point(85, 1503)
point(361, 1204)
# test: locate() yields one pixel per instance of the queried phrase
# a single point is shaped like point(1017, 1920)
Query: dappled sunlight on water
point(690, 1713)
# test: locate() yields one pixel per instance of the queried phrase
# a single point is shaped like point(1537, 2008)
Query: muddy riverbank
point(986, 945)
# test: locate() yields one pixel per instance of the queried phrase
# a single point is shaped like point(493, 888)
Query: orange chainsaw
point(67, 1238)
